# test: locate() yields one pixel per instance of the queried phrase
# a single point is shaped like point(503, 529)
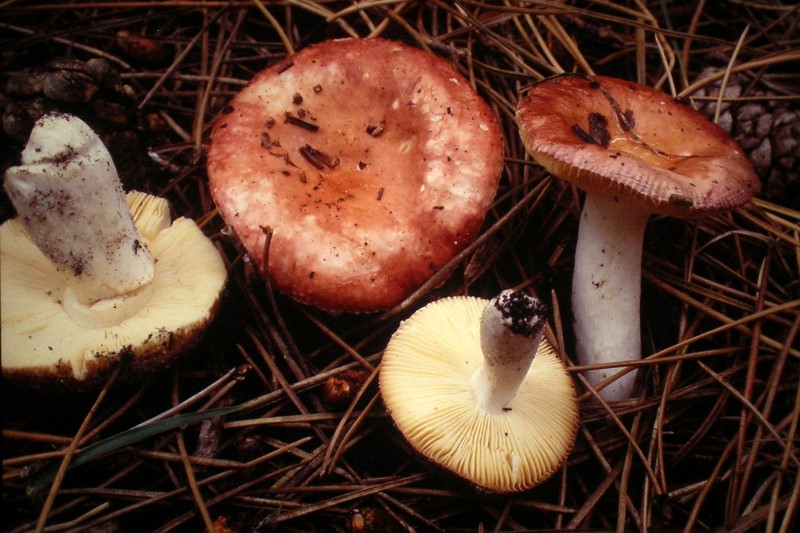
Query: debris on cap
point(618, 138)
point(372, 162)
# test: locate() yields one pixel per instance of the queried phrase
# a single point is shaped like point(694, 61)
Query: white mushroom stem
point(606, 289)
point(70, 200)
point(511, 330)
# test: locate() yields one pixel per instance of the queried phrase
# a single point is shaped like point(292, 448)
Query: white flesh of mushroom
point(511, 330)
point(70, 200)
point(606, 289)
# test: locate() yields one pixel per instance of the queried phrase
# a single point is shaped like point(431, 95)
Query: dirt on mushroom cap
point(372, 162)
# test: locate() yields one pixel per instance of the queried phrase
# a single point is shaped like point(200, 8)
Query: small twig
point(178, 60)
point(750, 408)
point(71, 44)
point(187, 465)
point(355, 495)
point(62, 469)
point(287, 43)
point(727, 73)
point(329, 459)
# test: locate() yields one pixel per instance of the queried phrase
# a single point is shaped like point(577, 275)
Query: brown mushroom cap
point(425, 381)
point(374, 163)
point(614, 137)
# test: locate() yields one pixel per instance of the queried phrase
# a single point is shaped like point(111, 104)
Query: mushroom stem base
point(495, 387)
point(108, 311)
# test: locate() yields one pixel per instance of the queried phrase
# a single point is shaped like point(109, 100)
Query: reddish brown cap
point(373, 162)
point(614, 137)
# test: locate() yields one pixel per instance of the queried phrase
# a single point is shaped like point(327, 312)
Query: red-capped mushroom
point(635, 151)
point(373, 163)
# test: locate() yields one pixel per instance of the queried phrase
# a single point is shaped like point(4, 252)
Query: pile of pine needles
point(241, 436)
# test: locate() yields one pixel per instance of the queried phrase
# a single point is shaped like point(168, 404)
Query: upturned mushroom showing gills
point(475, 388)
point(90, 276)
point(372, 163)
point(635, 151)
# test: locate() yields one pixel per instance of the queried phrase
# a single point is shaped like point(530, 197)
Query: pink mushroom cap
point(372, 162)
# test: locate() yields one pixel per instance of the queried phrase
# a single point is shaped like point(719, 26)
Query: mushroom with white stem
point(475, 388)
point(90, 275)
point(635, 151)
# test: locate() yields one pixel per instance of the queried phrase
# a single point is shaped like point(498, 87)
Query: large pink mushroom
point(373, 163)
